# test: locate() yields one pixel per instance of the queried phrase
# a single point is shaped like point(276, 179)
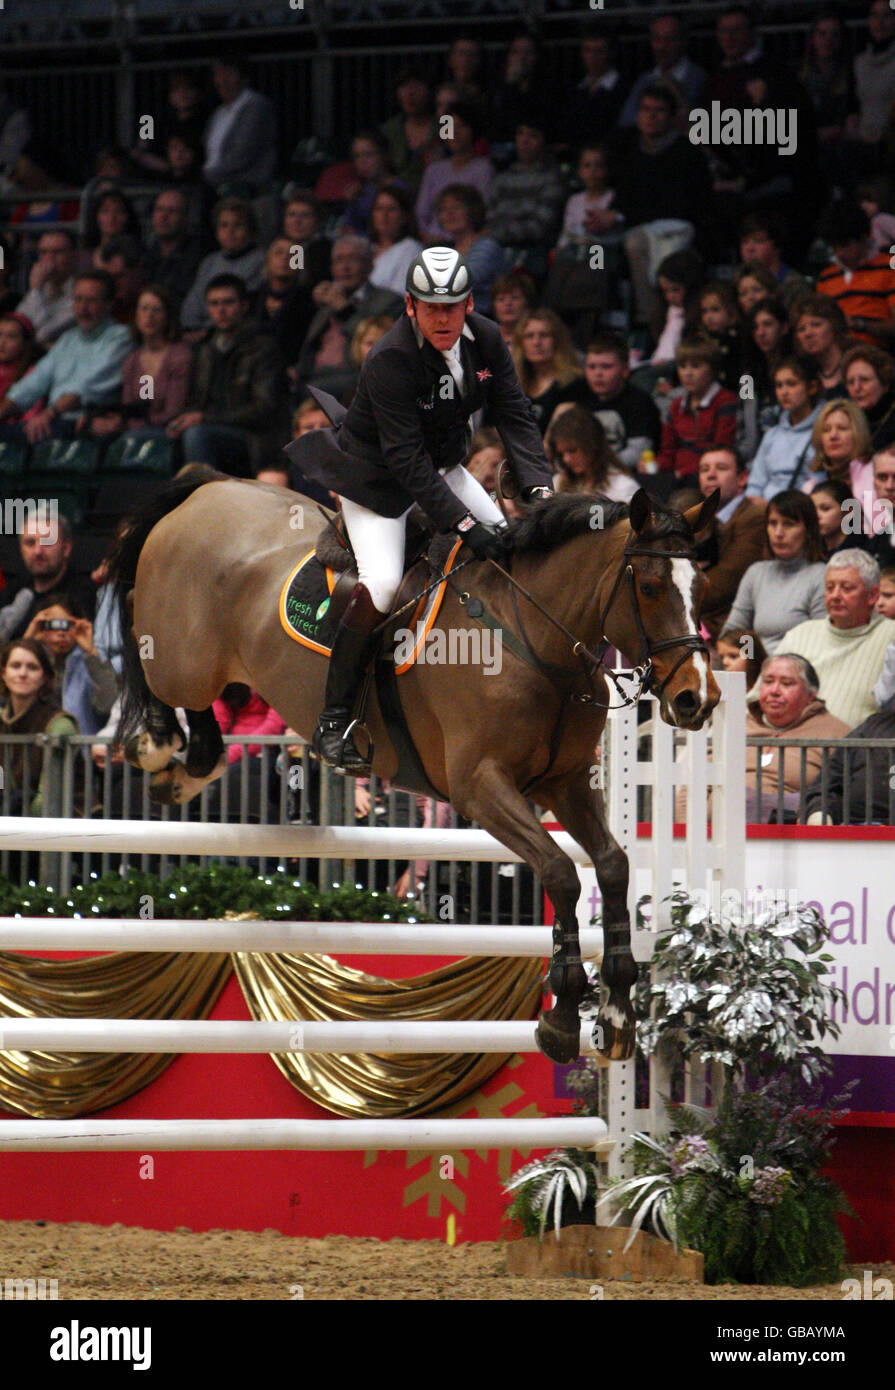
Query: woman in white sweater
point(788, 588)
point(391, 231)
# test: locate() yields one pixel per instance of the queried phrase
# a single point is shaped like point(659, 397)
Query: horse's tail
point(136, 697)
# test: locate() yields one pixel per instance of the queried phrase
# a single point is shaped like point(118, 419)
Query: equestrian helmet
point(439, 275)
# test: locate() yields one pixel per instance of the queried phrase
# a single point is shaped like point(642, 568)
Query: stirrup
point(334, 744)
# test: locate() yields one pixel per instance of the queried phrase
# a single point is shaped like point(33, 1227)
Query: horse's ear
point(698, 517)
point(639, 510)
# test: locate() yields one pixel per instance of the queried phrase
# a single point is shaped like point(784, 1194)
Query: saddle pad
point(304, 605)
point(304, 609)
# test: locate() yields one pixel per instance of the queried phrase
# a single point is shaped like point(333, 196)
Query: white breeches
point(378, 541)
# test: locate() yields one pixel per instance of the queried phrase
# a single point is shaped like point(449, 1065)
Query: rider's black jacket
point(408, 420)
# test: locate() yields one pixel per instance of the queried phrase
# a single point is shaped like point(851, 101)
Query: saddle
point(425, 554)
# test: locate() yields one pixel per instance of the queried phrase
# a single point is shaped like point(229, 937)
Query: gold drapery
point(374, 1085)
point(276, 987)
point(126, 984)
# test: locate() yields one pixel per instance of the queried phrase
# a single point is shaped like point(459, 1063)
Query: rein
point(592, 661)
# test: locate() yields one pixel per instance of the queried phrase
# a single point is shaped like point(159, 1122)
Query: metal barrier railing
point(271, 787)
point(852, 789)
point(326, 86)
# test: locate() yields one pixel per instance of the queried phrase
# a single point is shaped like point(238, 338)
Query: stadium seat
point(129, 455)
point(12, 459)
point(118, 496)
point(71, 456)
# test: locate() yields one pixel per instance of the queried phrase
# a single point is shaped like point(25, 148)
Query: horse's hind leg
point(489, 796)
point(582, 813)
point(155, 745)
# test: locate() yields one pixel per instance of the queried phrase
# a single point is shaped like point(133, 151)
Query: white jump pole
point(346, 938)
point(307, 841)
point(141, 1136)
point(214, 1035)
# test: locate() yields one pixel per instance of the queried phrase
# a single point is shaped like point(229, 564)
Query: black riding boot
point(352, 649)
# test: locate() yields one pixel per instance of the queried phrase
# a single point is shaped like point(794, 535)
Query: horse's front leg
point(582, 813)
point(490, 797)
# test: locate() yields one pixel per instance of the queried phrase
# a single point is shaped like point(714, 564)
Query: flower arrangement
point(742, 1184)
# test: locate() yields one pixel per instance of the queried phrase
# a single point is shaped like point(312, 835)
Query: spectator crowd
point(684, 315)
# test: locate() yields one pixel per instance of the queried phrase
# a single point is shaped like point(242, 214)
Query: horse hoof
point(615, 1034)
point(162, 790)
point(558, 1044)
point(141, 750)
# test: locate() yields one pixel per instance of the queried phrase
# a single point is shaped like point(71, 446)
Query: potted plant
point(742, 1186)
point(750, 992)
point(562, 1188)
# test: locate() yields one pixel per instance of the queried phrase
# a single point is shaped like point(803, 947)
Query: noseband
point(690, 642)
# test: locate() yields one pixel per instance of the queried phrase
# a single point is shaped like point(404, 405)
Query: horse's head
point(664, 587)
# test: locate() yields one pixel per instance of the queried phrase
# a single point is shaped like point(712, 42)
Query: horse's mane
point(558, 519)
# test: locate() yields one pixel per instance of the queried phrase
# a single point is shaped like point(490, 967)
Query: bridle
point(690, 642)
point(644, 674)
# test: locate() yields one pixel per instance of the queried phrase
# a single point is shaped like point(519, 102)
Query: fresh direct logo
point(754, 126)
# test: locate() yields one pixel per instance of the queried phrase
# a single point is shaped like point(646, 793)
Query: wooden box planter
point(597, 1252)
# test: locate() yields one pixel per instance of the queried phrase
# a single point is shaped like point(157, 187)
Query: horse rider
point(403, 440)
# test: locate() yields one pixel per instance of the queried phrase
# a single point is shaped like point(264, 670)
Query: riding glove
point(486, 541)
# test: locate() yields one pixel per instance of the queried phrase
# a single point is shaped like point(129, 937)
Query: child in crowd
point(512, 296)
point(741, 649)
point(706, 414)
point(761, 243)
point(367, 335)
point(584, 218)
point(753, 283)
point(718, 320)
point(885, 604)
point(628, 415)
point(874, 195)
point(309, 416)
point(881, 541)
point(679, 277)
point(486, 453)
point(785, 453)
point(838, 517)
point(766, 339)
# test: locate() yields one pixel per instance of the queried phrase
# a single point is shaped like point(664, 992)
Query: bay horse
point(199, 573)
